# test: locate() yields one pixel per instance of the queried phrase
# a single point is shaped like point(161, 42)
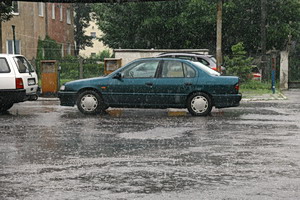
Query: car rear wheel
point(90, 102)
point(6, 107)
point(199, 104)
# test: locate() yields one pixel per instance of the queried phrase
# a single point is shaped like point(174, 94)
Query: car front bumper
point(67, 98)
point(227, 100)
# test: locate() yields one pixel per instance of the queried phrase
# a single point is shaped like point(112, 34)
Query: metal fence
point(73, 69)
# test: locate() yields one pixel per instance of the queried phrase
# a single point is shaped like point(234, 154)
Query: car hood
point(89, 82)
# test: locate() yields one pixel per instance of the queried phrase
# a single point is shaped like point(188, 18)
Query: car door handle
point(149, 84)
point(188, 84)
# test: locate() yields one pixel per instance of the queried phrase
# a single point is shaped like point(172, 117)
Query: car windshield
point(23, 65)
point(206, 69)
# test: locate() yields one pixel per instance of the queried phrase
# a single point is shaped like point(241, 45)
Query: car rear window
point(4, 68)
point(23, 65)
point(206, 69)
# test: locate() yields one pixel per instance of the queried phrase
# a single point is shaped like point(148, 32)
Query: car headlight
point(63, 87)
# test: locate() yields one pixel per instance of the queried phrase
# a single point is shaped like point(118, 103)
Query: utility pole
point(263, 40)
point(219, 35)
point(14, 39)
point(0, 36)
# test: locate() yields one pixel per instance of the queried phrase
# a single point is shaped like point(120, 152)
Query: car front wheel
point(90, 102)
point(199, 104)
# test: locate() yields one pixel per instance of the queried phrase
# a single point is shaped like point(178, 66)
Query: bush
point(102, 54)
point(239, 65)
point(70, 69)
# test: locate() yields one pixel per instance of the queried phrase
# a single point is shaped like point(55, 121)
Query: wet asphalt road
point(249, 152)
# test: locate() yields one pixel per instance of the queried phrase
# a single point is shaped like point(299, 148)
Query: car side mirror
point(117, 76)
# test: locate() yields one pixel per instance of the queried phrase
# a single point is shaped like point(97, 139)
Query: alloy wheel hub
point(199, 104)
point(89, 102)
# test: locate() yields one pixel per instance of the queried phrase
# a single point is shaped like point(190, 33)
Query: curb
point(271, 97)
point(47, 99)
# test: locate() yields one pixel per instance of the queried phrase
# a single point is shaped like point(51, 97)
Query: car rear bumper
point(67, 98)
point(12, 96)
point(227, 100)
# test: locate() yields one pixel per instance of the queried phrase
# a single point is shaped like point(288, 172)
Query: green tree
point(102, 54)
point(192, 24)
point(241, 22)
point(82, 19)
point(239, 64)
point(5, 15)
point(48, 49)
point(142, 25)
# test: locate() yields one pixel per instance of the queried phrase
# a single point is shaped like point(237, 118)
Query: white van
point(18, 81)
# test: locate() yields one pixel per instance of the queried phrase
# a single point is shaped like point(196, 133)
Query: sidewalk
point(48, 99)
point(263, 97)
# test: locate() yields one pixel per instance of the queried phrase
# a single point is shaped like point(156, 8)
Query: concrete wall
point(59, 30)
point(284, 70)
point(128, 55)
point(98, 46)
point(29, 27)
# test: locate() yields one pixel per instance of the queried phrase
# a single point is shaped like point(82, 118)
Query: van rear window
point(23, 65)
point(4, 68)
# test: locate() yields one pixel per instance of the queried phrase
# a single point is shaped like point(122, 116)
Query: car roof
point(185, 54)
point(163, 58)
point(9, 55)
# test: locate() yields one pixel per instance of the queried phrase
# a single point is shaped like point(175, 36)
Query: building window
point(53, 11)
point(15, 8)
point(10, 47)
point(68, 16)
point(41, 9)
point(93, 34)
point(61, 13)
point(69, 49)
point(62, 51)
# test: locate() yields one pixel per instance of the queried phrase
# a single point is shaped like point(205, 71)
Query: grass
point(257, 88)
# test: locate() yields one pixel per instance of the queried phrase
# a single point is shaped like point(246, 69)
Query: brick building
point(35, 20)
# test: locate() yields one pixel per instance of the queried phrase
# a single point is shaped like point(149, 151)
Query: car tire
point(90, 102)
point(6, 107)
point(199, 104)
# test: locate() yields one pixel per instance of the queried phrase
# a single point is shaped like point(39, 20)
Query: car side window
point(188, 71)
point(185, 57)
point(176, 69)
point(144, 69)
point(172, 69)
point(4, 68)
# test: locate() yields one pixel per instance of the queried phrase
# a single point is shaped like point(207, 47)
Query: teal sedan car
point(154, 83)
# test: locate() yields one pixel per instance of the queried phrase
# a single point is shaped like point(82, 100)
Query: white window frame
point(41, 7)
point(62, 51)
point(69, 49)
point(61, 13)
point(53, 11)
point(18, 11)
point(68, 16)
point(13, 47)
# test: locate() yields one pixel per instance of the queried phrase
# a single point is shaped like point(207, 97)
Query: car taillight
point(19, 83)
point(256, 75)
point(237, 87)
